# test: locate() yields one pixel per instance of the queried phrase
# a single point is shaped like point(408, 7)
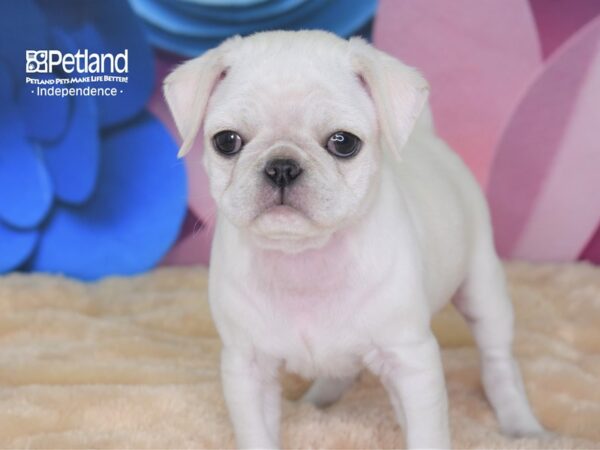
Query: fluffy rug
point(132, 363)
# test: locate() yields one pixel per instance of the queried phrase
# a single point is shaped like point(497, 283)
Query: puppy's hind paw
point(325, 391)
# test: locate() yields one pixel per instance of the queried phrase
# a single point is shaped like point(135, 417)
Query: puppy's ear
point(188, 88)
point(398, 91)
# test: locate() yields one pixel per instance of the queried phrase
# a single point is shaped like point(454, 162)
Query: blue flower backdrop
point(190, 27)
point(89, 186)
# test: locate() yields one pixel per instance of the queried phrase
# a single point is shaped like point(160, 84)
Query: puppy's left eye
point(342, 144)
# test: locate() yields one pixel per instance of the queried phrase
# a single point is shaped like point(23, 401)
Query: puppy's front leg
point(252, 394)
point(414, 377)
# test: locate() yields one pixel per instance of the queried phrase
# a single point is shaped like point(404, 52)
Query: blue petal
point(68, 14)
point(45, 117)
point(134, 216)
point(7, 84)
point(22, 27)
point(25, 187)
point(62, 40)
point(73, 162)
point(109, 26)
point(16, 246)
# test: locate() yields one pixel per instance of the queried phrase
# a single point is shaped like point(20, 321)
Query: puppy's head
point(295, 126)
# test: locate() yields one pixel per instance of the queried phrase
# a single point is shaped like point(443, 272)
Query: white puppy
point(343, 224)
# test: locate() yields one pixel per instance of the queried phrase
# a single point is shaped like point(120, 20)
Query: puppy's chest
point(317, 331)
point(317, 342)
point(311, 313)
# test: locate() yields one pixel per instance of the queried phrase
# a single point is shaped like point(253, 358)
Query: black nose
point(282, 172)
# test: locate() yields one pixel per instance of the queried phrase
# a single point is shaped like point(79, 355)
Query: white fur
point(348, 274)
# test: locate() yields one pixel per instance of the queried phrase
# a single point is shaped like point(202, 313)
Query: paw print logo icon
point(36, 61)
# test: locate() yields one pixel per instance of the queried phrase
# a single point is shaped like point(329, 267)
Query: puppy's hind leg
point(326, 391)
point(486, 306)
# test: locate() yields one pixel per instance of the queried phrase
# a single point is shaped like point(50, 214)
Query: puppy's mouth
point(281, 201)
point(282, 207)
point(282, 214)
point(281, 210)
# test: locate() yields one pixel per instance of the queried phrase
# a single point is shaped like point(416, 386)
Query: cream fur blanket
point(133, 363)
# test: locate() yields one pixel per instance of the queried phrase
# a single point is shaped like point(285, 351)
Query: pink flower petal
point(558, 20)
point(544, 186)
point(478, 56)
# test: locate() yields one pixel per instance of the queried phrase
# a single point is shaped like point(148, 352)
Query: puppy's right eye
point(227, 142)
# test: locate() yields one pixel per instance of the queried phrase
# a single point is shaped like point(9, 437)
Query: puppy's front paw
point(525, 429)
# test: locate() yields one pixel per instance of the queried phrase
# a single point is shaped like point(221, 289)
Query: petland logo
point(46, 61)
point(69, 69)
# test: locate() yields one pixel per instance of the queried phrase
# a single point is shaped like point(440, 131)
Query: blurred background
point(90, 185)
